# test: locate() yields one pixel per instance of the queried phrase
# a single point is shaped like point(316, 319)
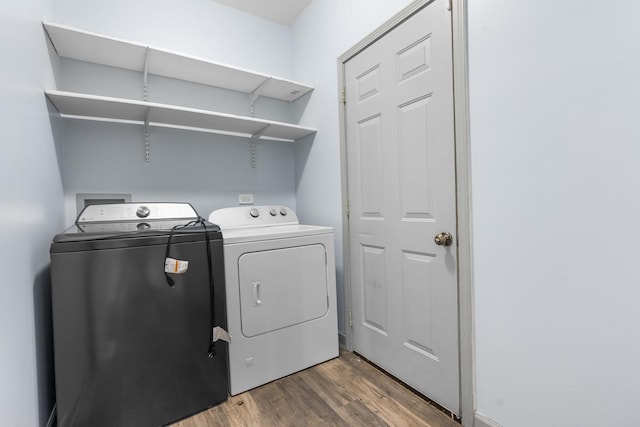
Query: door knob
point(443, 239)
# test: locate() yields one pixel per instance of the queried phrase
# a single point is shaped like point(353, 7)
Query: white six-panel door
point(401, 190)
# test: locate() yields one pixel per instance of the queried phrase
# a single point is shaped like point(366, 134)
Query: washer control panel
point(253, 216)
point(121, 212)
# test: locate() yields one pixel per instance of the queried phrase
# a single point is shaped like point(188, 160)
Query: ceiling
point(283, 12)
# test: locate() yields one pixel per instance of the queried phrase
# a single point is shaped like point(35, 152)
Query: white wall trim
point(480, 420)
point(394, 21)
point(463, 200)
point(346, 264)
point(463, 189)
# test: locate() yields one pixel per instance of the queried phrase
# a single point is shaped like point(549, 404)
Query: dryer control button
point(254, 213)
point(273, 212)
point(283, 212)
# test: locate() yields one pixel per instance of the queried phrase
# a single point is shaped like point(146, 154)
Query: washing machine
point(138, 303)
point(281, 293)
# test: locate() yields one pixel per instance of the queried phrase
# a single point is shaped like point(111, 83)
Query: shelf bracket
point(255, 94)
point(147, 139)
point(145, 98)
point(254, 138)
point(145, 86)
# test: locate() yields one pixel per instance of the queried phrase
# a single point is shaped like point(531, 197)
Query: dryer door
point(282, 287)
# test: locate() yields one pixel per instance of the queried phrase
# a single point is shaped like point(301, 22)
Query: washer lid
point(241, 235)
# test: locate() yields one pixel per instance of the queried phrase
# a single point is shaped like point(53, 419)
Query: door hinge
point(350, 319)
point(344, 95)
point(347, 208)
point(450, 5)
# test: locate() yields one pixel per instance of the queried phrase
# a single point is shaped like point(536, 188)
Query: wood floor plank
point(273, 407)
point(346, 391)
point(388, 410)
point(356, 414)
point(335, 394)
point(373, 397)
point(398, 392)
point(305, 402)
point(238, 411)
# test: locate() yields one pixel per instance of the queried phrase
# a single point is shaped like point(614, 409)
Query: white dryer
point(281, 293)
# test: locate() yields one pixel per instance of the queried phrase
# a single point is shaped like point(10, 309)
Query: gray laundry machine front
point(133, 340)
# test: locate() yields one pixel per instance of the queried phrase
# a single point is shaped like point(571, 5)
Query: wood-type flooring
point(346, 391)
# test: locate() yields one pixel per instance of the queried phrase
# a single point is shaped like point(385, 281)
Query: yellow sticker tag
point(175, 266)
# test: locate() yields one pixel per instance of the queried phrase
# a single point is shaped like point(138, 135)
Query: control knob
point(255, 213)
point(283, 212)
point(273, 212)
point(143, 212)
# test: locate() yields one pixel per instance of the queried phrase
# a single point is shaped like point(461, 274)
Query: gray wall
point(31, 212)
point(205, 169)
point(556, 178)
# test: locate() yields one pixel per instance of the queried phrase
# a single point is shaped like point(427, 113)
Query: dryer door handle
point(256, 294)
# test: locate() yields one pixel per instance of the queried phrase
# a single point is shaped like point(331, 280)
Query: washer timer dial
point(255, 213)
point(143, 212)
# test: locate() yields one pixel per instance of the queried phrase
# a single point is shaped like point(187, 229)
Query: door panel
point(412, 129)
point(370, 141)
point(282, 287)
point(375, 289)
point(416, 289)
point(414, 59)
point(401, 189)
point(368, 83)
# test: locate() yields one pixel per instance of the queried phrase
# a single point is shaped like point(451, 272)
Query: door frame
point(463, 190)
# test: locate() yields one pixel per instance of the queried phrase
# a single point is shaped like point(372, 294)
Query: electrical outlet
point(245, 199)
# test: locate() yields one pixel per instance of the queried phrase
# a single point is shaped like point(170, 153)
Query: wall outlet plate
point(245, 199)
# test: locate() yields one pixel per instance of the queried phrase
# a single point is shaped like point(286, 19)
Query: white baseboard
point(481, 420)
